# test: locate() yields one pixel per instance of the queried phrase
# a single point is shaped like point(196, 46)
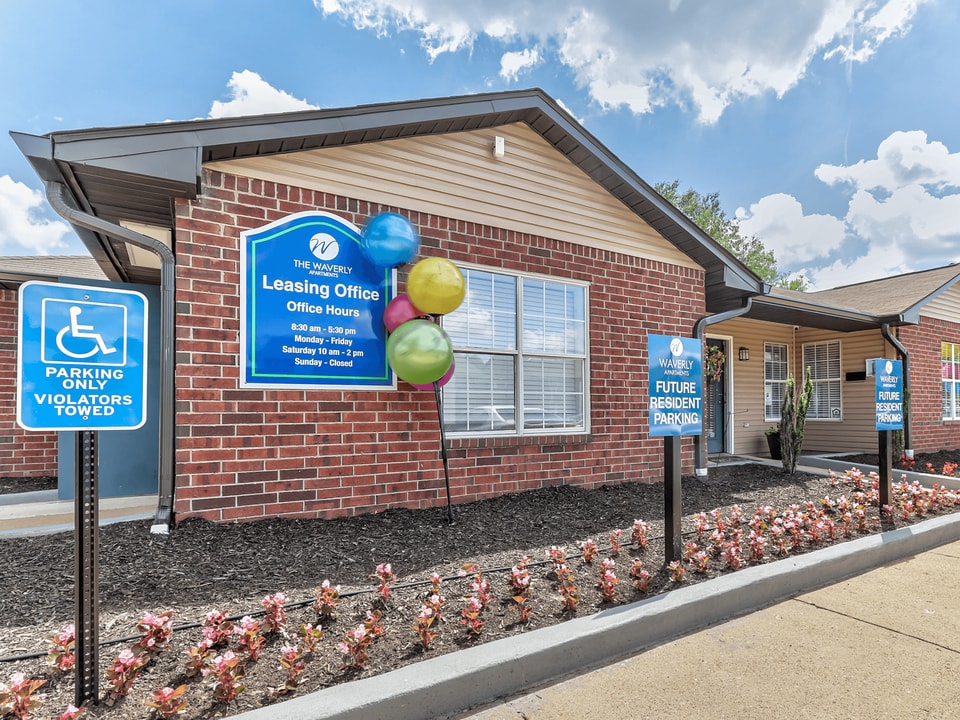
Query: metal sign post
point(82, 366)
point(87, 571)
point(676, 409)
point(888, 376)
point(672, 499)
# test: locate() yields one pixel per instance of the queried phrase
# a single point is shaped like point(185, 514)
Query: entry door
point(715, 402)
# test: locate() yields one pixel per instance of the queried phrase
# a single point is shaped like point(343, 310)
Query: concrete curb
point(449, 684)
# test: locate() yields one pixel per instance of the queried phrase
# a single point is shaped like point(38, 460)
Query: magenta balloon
point(398, 311)
point(441, 382)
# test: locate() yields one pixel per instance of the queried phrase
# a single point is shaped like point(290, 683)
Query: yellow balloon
point(436, 286)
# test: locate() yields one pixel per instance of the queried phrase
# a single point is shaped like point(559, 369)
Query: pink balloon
point(441, 382)
point(398, 311)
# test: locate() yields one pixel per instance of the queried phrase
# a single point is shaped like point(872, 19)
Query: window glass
point(552, 392)
point(775, 374)
point(487, 317)
point(950, 373)
point(520, 354)
point(480, 395)
point(823, 359)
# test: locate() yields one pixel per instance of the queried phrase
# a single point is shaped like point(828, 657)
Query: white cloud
point(644, 55)
point(22, 228)
point(878, 262)
point(904, 159)
point(252, 95)
point(795, 238)
point(901, 216)
point(920, 225)
point(513, 63)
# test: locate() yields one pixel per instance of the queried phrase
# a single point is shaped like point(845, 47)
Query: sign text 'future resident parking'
point(676, 385)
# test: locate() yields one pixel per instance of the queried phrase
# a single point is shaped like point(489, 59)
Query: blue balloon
point(390, 240)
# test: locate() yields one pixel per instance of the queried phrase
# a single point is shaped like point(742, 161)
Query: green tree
point(706, 212)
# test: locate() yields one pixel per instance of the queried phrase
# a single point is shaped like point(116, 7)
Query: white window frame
point(819, 381)
point(518, 354)
point(950, 403)
point(767, 382)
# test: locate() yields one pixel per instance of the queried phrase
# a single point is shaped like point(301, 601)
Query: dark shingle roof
point(17, 269)
point(897, 295)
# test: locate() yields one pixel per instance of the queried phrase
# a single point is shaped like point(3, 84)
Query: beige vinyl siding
point(745, 421)
point(945, 306)
point(857, 429)
point(532, 189)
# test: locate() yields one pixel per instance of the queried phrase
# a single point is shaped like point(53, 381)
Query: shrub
point(793, 416)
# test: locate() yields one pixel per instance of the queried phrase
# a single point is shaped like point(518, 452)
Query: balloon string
point(443, 449)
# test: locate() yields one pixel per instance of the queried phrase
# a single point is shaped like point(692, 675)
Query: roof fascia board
point(179, 165)
point(174, 151)
point(38, 150)
point(914, 310)
point(828, 311)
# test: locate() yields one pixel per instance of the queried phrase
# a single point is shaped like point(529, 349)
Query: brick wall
point(247, 453)
point(22, 453)
point(929, 431)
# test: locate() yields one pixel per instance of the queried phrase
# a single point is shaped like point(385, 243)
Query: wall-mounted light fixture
point(499, 147)
point(744, 353)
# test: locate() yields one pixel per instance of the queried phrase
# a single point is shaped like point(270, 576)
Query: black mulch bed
point(934, 462)
point(201, 566)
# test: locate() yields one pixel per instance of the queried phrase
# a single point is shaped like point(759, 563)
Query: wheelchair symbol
point(82, 332)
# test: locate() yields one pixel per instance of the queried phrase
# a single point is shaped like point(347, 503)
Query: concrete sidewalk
point(39, 513)
point(885, 644)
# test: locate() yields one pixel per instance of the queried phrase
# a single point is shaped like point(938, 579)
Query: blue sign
point(82, 360)
point(311, 307)
point(889, 383)
point(675, 385)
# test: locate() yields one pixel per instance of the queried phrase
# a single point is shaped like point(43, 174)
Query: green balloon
point(419, 352)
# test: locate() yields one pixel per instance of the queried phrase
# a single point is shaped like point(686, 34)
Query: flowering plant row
point(718, 541)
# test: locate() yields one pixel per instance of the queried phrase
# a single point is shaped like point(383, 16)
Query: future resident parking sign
point(312, 307)
point(888, 376)
point(676, 385)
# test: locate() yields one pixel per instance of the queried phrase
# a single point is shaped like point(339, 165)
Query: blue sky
point(829, 128)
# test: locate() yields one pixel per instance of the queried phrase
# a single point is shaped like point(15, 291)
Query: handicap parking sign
point(82, 354)
point(76, 332)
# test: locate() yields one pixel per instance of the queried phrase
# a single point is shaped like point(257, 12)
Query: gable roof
point(894, 300)
point(18, 269)
point(902, 295)
point(135, 174)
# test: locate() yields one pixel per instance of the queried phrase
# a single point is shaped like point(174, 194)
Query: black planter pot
point(773, 440)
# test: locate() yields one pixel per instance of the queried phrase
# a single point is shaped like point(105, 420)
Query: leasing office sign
point(311, 307)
